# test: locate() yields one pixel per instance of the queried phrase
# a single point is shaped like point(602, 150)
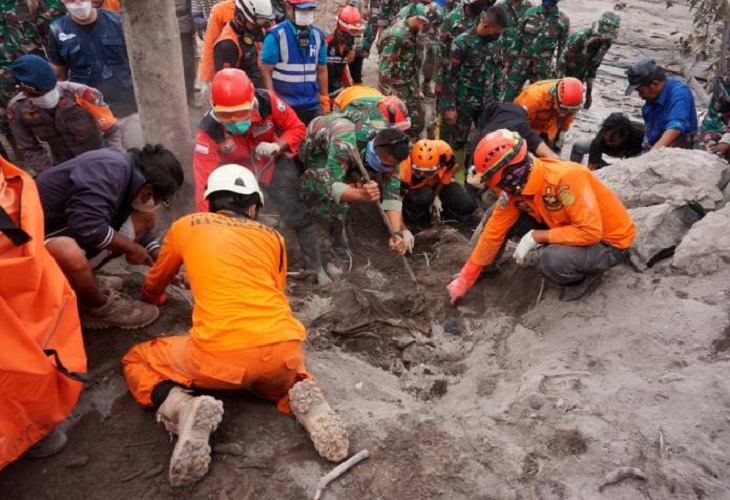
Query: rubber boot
point(340, 246)
point(324, 427)
point(309, 245)
point(51, 444)
point(193, 419)
point(460, 174)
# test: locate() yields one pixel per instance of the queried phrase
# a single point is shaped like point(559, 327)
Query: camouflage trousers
point(7, 92)
point(457, 134)
point(533, 69)
point(429, 47)
point(411, 96)
point(316, 179)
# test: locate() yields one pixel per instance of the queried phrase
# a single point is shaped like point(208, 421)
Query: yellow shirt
point(237, 273)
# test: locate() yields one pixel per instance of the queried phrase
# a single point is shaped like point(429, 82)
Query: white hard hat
point(234, 179)
point(256, 10)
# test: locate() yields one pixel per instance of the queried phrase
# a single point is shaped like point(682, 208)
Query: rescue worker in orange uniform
point(257, 129)
point(341, 47)
point(243, 335)
point(427, 187)
point(578, 225)
point(239, 43)
point(551, 108)
point(220, 15)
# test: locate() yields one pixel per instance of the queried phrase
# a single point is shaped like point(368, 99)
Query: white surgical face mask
point(80, 11)
point(144, 206)
point(304, 17)
point(49, 100)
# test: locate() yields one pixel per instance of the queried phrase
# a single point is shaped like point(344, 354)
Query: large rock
point(659, 229)
point(678, 176)
point(707, 245)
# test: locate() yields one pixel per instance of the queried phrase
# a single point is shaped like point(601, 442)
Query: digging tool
point(356, 157)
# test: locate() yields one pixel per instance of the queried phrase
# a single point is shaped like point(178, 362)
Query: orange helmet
point(231, 91)
point(350, 21)
point(428, 155)
point(395, 112)
point(570, 94)
point(496, 150)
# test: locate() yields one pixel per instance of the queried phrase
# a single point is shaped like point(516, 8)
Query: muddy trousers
point(456, 203)
point(568, 265)
point(269, 370)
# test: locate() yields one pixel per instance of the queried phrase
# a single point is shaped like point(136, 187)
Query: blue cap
point(35, 72)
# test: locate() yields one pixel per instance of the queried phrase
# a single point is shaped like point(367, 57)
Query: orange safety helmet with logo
point(43, 359)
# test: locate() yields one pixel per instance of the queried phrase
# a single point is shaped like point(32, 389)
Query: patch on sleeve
point(566, 196)
point(202, 149)
point(280, 105)
point(503, 198)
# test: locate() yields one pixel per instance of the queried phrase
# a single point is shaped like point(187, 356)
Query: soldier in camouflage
point(428, 40)
point(331, 173)
point(516, 10)
point(475, 76)
point(457, 22)
point(400, 64)
point(23, 30)
point(540, 37)
point(388, 13)
point(585, 50)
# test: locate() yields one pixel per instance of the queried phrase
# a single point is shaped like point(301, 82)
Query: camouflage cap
point(609, 23)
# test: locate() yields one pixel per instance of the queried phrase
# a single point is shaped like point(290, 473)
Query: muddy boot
point(193, 419)
point(319, 419)
point(48, 446)
point(582, 289)
point(340, 246)
point(119, 312)
point(309, 245)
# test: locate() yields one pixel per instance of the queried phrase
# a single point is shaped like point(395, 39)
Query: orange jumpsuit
point(578, 208)
point(220, 15)
point(542, 111)
point(244, 333)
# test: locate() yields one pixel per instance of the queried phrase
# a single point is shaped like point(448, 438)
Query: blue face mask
point(373, 160)
point(238, 128)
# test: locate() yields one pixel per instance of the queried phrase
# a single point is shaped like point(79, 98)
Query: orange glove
point(464, 281)
point(324, 104)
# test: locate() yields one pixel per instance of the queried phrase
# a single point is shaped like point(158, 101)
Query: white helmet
point(256, 11)
point(234, 179)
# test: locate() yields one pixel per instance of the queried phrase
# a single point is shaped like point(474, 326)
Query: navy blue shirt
point(674, 108)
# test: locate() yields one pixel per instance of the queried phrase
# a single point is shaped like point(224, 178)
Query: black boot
point(340, 246)
point(309, 245)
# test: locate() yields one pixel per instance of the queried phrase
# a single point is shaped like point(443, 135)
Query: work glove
point(436, 209)
point(409, 240)
point(325, 104)
point(527, 243)
point(463, 281)
point(266, 150)
point(589, 100)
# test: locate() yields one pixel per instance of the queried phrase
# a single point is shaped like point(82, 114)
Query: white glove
point(436, 209)
point(409, 240)
point(266, 149)
point(527, 243)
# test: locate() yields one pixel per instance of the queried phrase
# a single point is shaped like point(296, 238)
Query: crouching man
point(244, 333)
point(578, 225)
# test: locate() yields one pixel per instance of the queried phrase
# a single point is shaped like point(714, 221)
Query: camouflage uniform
point(371, 31)
point(330, 170)
point(428, 39)
point(398, 71)
point(21, 32)
point(475, 78)
point(389, 10)
point(539, 37)
point(456, 23)
point(515, 14)
point(583, 54)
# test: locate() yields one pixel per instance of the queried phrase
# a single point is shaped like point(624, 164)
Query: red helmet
point(395, 112)
point(495, 151)
point(231, 91)
point(570, 94)
point(350, 21)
